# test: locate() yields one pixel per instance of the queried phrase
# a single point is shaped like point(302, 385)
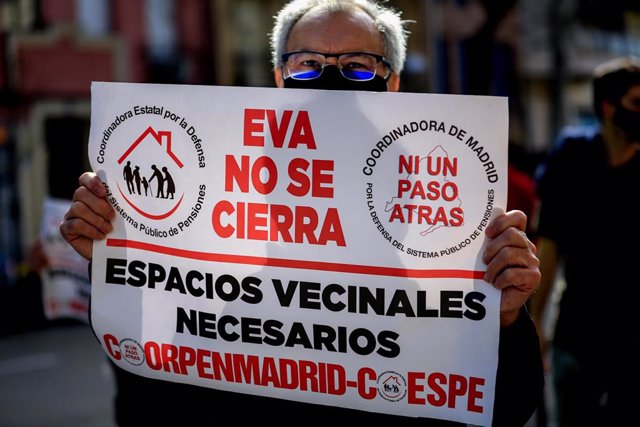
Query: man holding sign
point(344, 45)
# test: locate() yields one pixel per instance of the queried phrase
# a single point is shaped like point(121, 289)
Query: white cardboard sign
point(309, 245)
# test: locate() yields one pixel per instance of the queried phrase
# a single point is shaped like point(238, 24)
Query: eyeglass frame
point(379, 59)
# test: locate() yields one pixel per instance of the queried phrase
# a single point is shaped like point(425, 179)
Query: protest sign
point(309, 245)
point(65, 278)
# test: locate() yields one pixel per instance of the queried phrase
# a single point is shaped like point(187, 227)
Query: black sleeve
point(520, 377)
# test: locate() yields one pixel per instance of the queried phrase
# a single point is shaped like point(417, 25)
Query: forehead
point(335, 32)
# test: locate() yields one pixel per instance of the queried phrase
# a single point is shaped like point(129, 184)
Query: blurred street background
point(538, 53)
point(55, 376)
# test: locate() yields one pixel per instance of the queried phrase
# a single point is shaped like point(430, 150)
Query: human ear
point(277, 75)
point(393, 83)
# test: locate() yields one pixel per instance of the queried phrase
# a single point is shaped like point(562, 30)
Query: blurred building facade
point(539, 53)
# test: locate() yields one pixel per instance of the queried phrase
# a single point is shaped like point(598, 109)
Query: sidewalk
point(55, 376)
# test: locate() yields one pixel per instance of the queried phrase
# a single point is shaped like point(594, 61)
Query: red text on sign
point(315, 176)
point(254, 127)
point(438, 389)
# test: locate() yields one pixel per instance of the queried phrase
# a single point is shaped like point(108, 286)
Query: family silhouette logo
point(152, 182)
point(392, 386)
point(154, 160)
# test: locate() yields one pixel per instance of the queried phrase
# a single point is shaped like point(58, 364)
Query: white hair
point(387, 20)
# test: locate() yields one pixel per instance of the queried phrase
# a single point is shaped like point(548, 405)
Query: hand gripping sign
point(307, 245)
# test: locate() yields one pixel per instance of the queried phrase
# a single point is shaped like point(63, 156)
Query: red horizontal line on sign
point(300, 264)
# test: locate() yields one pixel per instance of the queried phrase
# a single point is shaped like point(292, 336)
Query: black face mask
point(628, 121)
point(332, 79)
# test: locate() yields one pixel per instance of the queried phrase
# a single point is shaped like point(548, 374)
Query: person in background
point(594, 170)
point(522, 196)
point(338, 45)
point(521, 191)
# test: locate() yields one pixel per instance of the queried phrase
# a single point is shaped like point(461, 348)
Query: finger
point(505, 267)
point(93, 183)
point(502, 221)
point(94, 209)
point(73, 228)
point(517, 281)
point(75, 232)
point(511, 237)
point(515, 292)
point(85, 222)
point(517, 285)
